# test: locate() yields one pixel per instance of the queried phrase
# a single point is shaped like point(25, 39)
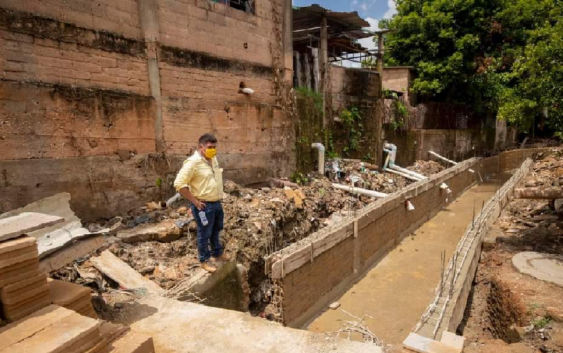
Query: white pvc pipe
point(359, 191)
point(442, 158)
point(173, 199)
point(409, 172)
point(446, 160)
point(321, 148)
point(411, 177)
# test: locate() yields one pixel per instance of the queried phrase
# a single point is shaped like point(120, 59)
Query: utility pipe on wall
point(321, 148)
point(354, 190)
point(390, 165)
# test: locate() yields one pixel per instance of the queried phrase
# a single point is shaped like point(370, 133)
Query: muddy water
point(398, 289)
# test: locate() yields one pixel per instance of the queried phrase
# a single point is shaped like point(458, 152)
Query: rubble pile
point(160, 242)
point(426, 168)
point(537, 223)
point(547, 171)
point(359, 174)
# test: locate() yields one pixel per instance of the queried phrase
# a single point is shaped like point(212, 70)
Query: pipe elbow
point(318, 146)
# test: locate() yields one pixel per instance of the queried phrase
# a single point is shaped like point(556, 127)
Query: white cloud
point(364, 6)
point(368, 42)
point(354, 3)
point(392, 10)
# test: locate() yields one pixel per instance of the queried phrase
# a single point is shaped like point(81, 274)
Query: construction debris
point(24, 223)
point(426, 168)
point(121, 273)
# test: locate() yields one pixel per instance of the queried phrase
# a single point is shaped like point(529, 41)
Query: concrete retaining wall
point(315, 271)
point(446, 312)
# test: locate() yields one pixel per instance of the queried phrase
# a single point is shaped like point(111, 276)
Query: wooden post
point(323, 65)
point(380, 53)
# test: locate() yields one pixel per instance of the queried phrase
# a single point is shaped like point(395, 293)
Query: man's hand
point(199, 205)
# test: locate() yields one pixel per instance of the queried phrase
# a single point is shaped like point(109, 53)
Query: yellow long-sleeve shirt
point(204, 180)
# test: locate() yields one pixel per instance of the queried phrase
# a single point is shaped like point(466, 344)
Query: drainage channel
point(396, 292)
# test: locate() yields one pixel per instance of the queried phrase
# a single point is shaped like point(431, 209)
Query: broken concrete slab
point(165, 231)
point(122, 273)
point(133, 342)
point(545, 267)
point(60, 235)
point(187, 327)
point(24, 223)
point(71, 252)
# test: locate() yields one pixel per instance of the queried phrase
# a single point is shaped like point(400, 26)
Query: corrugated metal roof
point(348, 20)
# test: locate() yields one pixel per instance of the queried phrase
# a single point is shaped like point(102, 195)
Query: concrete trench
point(385, 263)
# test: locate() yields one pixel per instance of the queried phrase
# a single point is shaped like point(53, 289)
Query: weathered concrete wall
point(453, 144)
point(399, 79)
point(99, 79)
point(361, 89)
point(316, 270)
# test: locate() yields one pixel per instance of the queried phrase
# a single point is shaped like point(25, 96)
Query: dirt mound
point(426, 168)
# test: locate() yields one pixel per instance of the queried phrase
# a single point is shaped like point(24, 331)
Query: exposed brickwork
point(119, 17)
point(302, 288)
point(54, 121)
point(26, 58)
point(217, 29)
point(85, 78)
point(382, 227)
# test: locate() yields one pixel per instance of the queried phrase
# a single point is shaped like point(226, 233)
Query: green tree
point(495, 55)
point(533, 87)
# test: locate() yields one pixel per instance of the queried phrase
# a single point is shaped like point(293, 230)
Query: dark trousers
point(209, 234)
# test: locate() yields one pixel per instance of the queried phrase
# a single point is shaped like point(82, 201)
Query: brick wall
point(83, 78)
point(316, 270)
point(308, 288)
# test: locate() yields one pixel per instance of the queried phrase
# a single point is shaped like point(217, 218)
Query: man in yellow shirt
point(201, 182)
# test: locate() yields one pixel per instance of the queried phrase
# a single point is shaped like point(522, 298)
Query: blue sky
point(371, 10)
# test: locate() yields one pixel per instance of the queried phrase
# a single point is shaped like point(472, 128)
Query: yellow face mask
point(210, 152)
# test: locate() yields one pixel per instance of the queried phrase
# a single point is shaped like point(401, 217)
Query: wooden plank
point(39, 320)
point(133, 342)
point(66, 293)
point(122, 273)
point(59, 336)
point(16, 244)
point(328, 242)
point(26, 222)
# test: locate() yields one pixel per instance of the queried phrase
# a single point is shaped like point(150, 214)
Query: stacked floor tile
point(53, 329)
point(23, 289)
point(72, 296)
